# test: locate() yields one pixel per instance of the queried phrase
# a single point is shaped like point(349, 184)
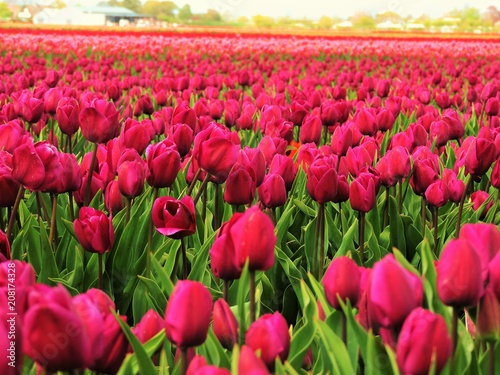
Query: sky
point(314, 9)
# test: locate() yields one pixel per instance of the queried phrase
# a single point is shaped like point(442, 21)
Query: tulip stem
point(86, 197)
point(225, 292)
point(400, 197)
point(184, 361)
point(454, 328)
point(386, 206)
point(325, 134)
point(491, 358)
point(217, 210)
point(321, 220)
point(193, 182)
point(344, 328)
point(71, 208)
point(341, 222)
point(361, 237)
point(184, 260)
point(12, 218)
point(423, 215)
point(252, 296)
point(202, 187)
point(53, 223)
point(150, 237)
point(435, 225)
point(461, 205)
point(129, 208)
point(99, 277)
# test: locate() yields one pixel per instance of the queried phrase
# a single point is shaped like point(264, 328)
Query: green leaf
point(333, 349)
point(155, 293)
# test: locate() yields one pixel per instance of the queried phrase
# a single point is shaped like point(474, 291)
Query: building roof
point(109, 11)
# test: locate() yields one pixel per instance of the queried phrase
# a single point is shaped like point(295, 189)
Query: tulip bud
point(393, 292)
point(272, 192)
point(240, 185)
point(164, 163)
point(424, 340)
point(249, 363)
point(270, 335)
point(363, 192)
point(150, 324)
point(437, 193)
point(99, 121)
point(341, 282)
point(188, 314)
point(225, 324)
point(488, 316)
point(322, 180)
point(459, 281)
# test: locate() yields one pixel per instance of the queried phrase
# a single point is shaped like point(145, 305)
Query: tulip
point(164, 163)
point(494, 274)
point(255, 159)
point(342, 282)
point(132, 171)
point(310, 131)
point(258, 251)
point(393, 292)
point(67, 113)
point(240, 185)
point(99, 121)
point(188, 314)
point(113, 198)
point(27, 166)
point(174, 218)
point(216, 150)
point(54, 335)
point(270, 335)
point(437, 193)
point(455, 186)
point(488, 315)
point(223, 261)
point(423, 341)
point(322, 180)
point(342, 140)
point(424, 174)
point(183, 136)
point(115, 346)
point(94, 230)
point(137, 135)
point(478, 198)
point(250, 364)
point(479, 156)
point(284, 166)
point(150, 324)
point(272, 192)
point(225, 324)
point(8, 185)
point(363, 192)
point(366, 122)
point(198, 366)
point(459, 281)
point(485, 239)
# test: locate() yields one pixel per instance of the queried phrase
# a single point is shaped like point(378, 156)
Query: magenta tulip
point(174, 218)
point(188, 314)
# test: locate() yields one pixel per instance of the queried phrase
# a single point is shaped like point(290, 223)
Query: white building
point(86, 16)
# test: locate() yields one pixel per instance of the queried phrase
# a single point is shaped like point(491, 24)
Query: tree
point(325, 22)
point(471, 19)
point(363, 21)
point(185, 13)
point(388, 16)
point(213, 16)
point(5, 12)
point(262, 21)
point(161, 9)
point(133, 5)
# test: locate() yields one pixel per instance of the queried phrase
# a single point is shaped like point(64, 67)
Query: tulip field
point(189, 203)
